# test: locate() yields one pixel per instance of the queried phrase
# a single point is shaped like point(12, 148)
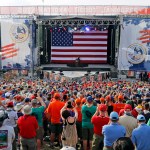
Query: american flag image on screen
point(90, 47)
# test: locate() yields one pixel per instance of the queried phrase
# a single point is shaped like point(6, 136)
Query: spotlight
point(75, 28)
point(87, 28)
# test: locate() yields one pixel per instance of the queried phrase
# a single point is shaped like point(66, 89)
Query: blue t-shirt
point(38, 113)
point(87, 113)
point(141, 137)
point(112, 132)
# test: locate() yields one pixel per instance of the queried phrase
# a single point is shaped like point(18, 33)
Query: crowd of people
point(103, 115)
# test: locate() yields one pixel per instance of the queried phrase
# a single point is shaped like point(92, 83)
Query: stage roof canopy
point(74, 2)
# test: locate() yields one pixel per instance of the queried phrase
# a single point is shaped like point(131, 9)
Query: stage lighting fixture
point(70, 29)
point(75, 28)
point(95, 28)
point(82, 29)
point(51, 30)
point(87, 28)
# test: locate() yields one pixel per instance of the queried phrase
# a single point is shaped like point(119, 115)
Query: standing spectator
point(113, 131)
point(69, 134)
point(12, 120)
point(79, 120)
point(99, 119)
point(88, 111)
point(123, 143)
point(146, 112)
point(141, 135)
point(7, 132)
point(128, 121)
point(38, 112)
point(53, 113)
point(28, 126)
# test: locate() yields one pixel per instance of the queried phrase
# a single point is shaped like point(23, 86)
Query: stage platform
point(91, 67)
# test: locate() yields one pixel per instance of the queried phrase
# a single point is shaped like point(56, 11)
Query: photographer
point(69, 134)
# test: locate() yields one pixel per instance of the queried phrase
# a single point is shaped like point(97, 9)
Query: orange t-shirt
point(118, 106)
point(79, 114)
point(54, 111)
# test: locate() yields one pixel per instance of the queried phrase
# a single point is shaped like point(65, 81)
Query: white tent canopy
point(74, 2)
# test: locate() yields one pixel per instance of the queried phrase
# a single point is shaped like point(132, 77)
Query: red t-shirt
point(99, 122)
point(27, 126)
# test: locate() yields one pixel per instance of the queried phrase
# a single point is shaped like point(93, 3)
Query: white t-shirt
point(13, 117)
point(7, 135)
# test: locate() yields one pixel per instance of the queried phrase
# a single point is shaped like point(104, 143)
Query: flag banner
point(83, 79)
point(63, 79)
point(15, 50)
point(46, 75)
point(134, 50)
point(92, 78)
point(90, 46)
point(51, 76)
point(99, 77)
point(24, 72)
point(57, 77)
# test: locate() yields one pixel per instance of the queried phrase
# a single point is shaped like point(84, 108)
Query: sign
point(76, 10)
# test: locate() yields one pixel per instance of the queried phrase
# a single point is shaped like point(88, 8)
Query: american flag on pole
point(8, 51)
point(90, 47)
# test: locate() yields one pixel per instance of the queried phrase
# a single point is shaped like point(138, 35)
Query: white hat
point(7, 94)
point(18, 107)
point(27, 110)
point(68, 148)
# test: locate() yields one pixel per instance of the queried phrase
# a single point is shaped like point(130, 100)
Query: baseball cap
point(27, 99)
point(127, 107)
point(120, 97)
point(114, 115)
point(89, 99)
point(140, 118)
point(10, 104)
point(78, 101)
point(7, 94)
point(108, 98)
point(57, 96)
point(34, 101)
point(102, 107)
point(102, 99)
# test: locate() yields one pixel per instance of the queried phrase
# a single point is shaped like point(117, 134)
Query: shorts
point(40, 133)
point(56, 128)
point(87, 134)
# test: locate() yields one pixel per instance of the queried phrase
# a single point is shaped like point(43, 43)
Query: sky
point(73, 2)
